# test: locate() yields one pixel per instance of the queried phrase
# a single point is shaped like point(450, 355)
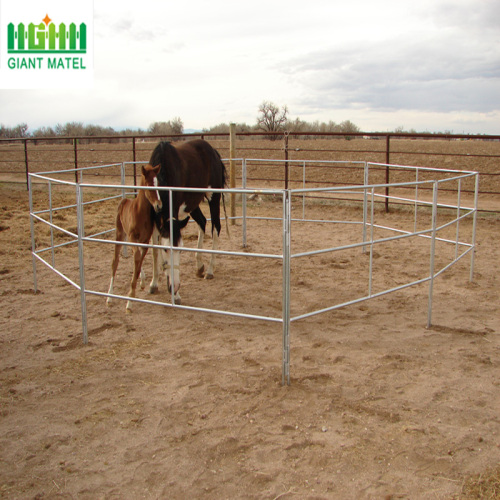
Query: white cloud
point(437, 73)
point(428, 65)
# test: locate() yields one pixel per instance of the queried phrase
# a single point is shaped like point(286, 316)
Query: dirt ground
point(169, 403)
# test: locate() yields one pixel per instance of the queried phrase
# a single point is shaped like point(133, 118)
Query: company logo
point(55, 52)
point(46, 37)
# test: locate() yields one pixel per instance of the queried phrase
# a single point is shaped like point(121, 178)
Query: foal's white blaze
point(155, 182)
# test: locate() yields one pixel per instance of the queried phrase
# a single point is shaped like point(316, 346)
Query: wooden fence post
point(387, 177)
point(75, 147)
point(232, 169)
point(134, 159)
point(26, 163)
point(286, 159)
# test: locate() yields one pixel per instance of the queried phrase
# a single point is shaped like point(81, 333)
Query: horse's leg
point(200, 219)
point(167, 264)
point(200, 268)
point(214, 204)
point(167, 267)
point(211, 265)
point(139, 254)
point(120, 234)
point(153, 287)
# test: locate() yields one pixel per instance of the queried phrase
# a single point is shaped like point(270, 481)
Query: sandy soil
point(167, 403)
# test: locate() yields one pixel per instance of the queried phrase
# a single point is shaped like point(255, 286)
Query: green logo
point(46, 38)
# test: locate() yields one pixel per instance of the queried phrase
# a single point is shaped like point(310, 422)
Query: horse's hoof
point(177, 301)
point(209, 276)
point(128, 310)
point(108, 302)
point(153, 290)
point(201, 272)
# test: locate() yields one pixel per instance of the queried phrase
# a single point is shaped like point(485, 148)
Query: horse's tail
point(223, 170)
point(225, 216)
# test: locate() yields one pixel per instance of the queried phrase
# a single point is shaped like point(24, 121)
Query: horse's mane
point(166, 155)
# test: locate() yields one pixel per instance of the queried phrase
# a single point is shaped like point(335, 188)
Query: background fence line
point(20, 156)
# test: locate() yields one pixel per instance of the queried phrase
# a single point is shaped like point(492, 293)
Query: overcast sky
point(426, 65)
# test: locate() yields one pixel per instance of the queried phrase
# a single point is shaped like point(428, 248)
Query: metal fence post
point(365, 204)
point(285, 379)
point(232, 169)
point(32, 227)
point(122, 178)
point(244, 201)
point(457, 234)
point(372, 238)
point(171, 242)
point(433, 251)
point(51, 219)
point(83, 299)
point(474, 225)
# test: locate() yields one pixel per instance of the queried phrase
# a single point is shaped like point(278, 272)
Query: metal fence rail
point(367, 194)
point(19, 156)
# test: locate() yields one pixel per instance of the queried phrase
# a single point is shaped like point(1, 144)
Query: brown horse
point(193, 164)
point(135, 223)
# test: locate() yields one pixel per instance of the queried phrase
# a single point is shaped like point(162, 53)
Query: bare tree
point(348, 126)
point(172, 127)
point(271, 117)
point(19, 131)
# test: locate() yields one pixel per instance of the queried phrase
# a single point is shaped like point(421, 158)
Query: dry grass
point(484, 486)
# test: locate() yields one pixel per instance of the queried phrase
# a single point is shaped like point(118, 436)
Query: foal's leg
point(139, 254)
point(114, 267)
point(120, 235)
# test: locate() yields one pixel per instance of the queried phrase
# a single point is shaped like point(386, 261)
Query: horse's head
point(150, 178)
point(164, 223)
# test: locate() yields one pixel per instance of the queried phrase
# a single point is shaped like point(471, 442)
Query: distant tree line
point(270, 118)
point(78, 129)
